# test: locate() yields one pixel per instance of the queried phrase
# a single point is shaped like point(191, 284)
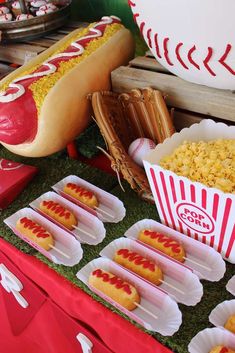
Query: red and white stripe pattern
point(202, 213)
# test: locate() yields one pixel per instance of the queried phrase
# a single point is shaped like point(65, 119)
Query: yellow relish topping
point(41, 87)
point(78, 34)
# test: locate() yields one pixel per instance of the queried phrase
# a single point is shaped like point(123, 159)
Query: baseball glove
point(122, 118)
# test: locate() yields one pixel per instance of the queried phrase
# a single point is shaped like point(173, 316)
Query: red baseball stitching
point(165, 41)
point(131, 3)
point(140, 144)
point(177, 52)
point(190, 59)
point(166, 53)
point(149, 37)
point(135, 16)
point(224, 57)
point(207, 60)
point(157, 45)
point(142, 28)
point(151, 144)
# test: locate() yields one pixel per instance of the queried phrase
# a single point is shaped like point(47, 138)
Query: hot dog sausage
point(114, 287)
point(35, 232)
point(139, 264)
point(83, 195)
point(59, 213)
point(163, 243)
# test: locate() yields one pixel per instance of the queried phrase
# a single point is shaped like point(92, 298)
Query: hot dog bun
point(54, 108)
point(59, 213)
point(35, 232)
point(83, 195)
point(221, 349)
point(114, 287)
point(163, 243)
point(139, 264)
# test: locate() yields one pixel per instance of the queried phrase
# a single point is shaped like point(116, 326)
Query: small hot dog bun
point(59, 213)
point(221, 349)
point(83, 195)
point(163, 243)
point(139, 264)
point(230, 324)
point(114, 287)
point(35, 232)
point(44, 105)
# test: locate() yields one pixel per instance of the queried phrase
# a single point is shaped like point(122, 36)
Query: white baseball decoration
point(194, 39)
point(139, 148)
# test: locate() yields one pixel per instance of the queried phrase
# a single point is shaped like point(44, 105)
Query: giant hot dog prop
point(43, 105)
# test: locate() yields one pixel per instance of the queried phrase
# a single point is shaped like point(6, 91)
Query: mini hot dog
point(140, 265)
point(83, 195)
point(163, 243)
point(35, 232)
point(59, 213)
point(115, 287)
point(222, 349)
point(44, 105)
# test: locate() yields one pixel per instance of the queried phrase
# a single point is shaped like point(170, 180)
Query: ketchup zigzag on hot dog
point(83, 195)
point(35, 232)
point(163, 243)
point(115, 287)
point(43, 105)
point(59, 213)
point(139, 264)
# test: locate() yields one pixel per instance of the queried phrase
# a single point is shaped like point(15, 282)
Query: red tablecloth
point(117, 334)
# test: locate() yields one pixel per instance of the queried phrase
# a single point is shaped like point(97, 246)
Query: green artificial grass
point(54, 168)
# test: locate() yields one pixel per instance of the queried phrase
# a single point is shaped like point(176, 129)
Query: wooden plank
point(148, 64)
point(64, 31)
point(19, 53)
point(185, 119)
point(42, 42)
point(180, 93)
point(77, 24)
point(5, 70)
point(54, 36)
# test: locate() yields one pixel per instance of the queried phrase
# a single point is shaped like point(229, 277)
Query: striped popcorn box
point(203, 213)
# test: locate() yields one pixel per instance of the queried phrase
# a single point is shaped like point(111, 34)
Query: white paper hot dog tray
point(87, 223)
point(110, 208)
point(180, 283)
point(64, 241)
point(202, 259)
point(209, 338)
point(220, 314)
point(231, 286)
point(168, 316)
